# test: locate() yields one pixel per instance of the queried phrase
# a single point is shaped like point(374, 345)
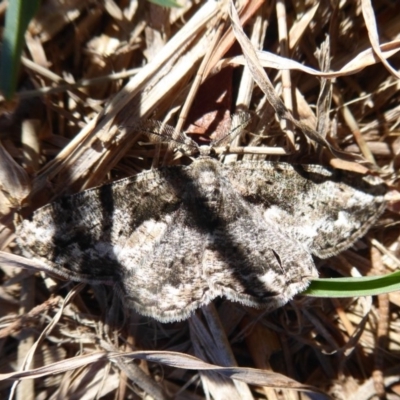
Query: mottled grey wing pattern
point(171, 240)
point(213, 245)
point(326, 210)
point(80, 235)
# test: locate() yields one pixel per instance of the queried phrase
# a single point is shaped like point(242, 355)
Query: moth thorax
point(209, 187)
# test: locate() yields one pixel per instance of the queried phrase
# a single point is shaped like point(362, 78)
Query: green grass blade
point(18, 15)
point(354, 287)
point(166, 3)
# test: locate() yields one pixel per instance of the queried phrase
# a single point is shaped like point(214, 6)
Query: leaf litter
point(88, 75)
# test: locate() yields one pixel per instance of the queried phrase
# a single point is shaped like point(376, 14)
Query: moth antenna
point(159, 133)
point(239, 121)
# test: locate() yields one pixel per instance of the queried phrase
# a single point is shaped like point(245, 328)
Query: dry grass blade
point(370, 23)
point(212, 344)
point(14, 182)
point(179, 360)
point(357, 64)
point(57, 368)
point(266, 86)
point(95, 143)
point(33, 313)
point(300, 26)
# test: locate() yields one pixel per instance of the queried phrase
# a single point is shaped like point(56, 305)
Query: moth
point(173, 239)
